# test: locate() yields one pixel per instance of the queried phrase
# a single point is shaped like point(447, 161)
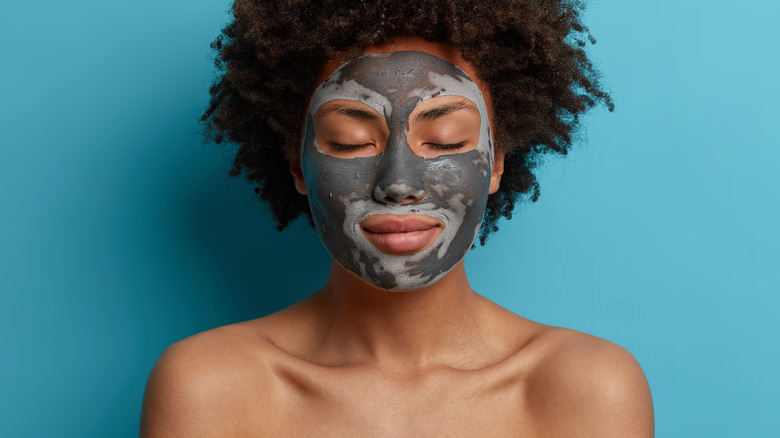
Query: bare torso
point(283, 375)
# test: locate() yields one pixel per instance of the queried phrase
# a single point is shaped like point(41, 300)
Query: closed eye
point(444, 125)
point(349, 129)
point(445, 147)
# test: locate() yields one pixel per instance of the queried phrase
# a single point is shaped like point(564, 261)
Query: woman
point(399, 123)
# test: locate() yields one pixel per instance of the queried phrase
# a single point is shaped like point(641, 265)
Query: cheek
point(333, 183)
point(340, 178)
point(458, 181)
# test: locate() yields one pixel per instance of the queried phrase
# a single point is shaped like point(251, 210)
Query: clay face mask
point(394, 218)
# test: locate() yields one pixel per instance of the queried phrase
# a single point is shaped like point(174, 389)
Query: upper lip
point(389, 223)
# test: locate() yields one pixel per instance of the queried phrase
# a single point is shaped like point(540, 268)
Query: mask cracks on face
point(450, 188)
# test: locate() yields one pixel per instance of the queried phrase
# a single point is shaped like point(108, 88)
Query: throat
point(405, 331)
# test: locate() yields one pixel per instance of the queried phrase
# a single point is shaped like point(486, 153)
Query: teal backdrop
point(121, 232)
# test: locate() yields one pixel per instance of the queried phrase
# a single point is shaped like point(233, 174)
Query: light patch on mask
point(334, 88)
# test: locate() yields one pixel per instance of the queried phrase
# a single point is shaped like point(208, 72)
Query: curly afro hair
point(529, 53)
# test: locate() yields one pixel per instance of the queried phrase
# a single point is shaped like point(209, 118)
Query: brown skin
point(353, 360)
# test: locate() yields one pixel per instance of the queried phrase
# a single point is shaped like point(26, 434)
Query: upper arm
point(177, 400)
point(201, 388)
point(592, 388)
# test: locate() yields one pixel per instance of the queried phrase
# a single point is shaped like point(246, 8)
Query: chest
point(443, 405)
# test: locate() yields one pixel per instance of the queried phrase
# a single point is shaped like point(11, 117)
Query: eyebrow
point(355, 113)
point(443, 110)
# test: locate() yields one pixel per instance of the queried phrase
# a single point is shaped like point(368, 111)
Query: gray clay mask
point(451, 189)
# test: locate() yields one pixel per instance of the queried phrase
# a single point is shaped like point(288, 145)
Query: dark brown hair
point(529, 53)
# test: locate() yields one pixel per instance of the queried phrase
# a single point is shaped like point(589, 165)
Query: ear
point(297, 174)
point(498, 170)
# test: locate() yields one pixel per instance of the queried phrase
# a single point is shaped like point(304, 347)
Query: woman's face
point(397, 160)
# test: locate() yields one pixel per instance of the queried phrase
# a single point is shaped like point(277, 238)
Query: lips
point(401, 235)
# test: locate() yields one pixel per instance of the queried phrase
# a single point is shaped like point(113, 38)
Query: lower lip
point(403, 243)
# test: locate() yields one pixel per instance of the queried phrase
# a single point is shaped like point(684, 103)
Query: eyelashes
point(446, 147)
point(349, 147)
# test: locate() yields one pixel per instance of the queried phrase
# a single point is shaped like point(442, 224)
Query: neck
point(401, 331)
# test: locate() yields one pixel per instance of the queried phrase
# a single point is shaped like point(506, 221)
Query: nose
point(401, 177)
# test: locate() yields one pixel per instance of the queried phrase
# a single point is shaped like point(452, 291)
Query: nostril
point(399, 193)
point(413, 199)
point(407, 200)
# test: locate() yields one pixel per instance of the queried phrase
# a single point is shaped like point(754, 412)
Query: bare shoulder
point(203, 385)
point(585, 386)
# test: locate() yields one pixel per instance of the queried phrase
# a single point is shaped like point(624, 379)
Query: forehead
point(389, 80)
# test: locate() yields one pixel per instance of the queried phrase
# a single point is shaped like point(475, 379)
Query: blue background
point(120, 232)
